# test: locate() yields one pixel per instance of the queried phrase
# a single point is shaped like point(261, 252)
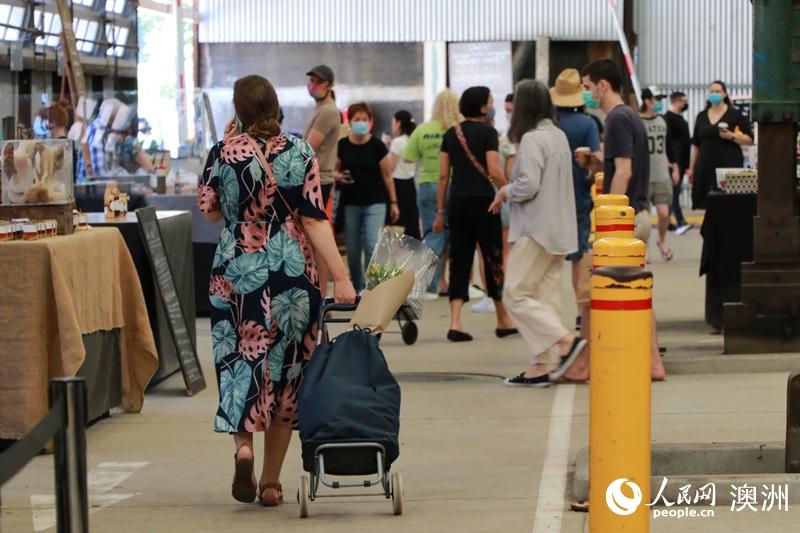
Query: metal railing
point(65, 423)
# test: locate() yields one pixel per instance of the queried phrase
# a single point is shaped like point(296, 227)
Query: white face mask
point(508, 117)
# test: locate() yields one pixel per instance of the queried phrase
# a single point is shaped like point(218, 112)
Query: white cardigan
point(541, 192)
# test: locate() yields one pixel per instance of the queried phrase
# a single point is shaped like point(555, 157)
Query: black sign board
point(159, 262)
point(744, 105)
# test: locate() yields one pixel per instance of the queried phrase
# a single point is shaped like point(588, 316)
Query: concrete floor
point(473, 452)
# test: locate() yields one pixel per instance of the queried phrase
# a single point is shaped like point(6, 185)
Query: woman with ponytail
point(403, 173)
point(264, 288)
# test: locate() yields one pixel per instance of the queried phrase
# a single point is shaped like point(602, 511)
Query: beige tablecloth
point(52, 291)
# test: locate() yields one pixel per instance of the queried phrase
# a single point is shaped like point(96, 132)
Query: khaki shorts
point(661, 193)
point(642, 226)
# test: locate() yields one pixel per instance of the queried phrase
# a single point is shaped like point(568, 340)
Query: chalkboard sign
point(744, 105)
point(187, 355)
point(482, 63)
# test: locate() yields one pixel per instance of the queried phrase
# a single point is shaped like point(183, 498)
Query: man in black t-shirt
point(627, 171)
point(626, 155)
point(678, 148)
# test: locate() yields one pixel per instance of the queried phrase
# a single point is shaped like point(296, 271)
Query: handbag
point(474, 160)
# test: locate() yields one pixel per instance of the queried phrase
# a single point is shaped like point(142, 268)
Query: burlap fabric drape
point(53, 291)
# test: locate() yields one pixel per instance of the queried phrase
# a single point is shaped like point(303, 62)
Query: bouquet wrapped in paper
point(398, 273)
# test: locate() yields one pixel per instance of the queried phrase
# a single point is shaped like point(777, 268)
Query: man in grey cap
point(322, 133)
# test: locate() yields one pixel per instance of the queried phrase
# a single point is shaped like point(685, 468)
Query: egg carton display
point(37, 172)
point(738, 180)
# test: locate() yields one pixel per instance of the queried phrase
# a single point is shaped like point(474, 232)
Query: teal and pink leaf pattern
point(263, 288)
point(290, 310)
point(248, 272)
point(223, 340)
point(233, 386)
point(285, 251)
point(229, 198)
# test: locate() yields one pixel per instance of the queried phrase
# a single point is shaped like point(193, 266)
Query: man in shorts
point(582, 132)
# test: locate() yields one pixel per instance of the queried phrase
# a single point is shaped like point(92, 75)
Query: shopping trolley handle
point(329, 304)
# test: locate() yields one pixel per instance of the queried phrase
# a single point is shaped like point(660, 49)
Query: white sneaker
point(486, 305)
point(475, 293)
point(430, 296)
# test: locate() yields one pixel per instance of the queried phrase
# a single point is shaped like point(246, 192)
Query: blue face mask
point(588, 101)
point(490, 114)
point(359, 129)
point(659, 106)
point(714, 98)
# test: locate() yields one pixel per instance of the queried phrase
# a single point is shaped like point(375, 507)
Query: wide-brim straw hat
point(568, 90)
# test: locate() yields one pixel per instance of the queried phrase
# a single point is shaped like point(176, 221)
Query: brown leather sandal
point(243, 488)
point(270, 502)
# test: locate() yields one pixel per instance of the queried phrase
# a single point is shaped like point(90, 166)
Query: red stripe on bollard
point(615, 227)
point(622, 305)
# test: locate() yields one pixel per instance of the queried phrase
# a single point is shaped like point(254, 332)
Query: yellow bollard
point(619, 394)
point(598, 183)
point(613, 251)
point(614, 221)
point(611, 199)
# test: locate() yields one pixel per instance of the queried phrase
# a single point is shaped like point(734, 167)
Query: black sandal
point(243, 488)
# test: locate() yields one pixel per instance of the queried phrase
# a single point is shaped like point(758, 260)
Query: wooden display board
point(165, 281)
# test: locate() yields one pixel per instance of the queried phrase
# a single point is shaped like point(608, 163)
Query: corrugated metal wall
point(239, 21)
point(686, 44)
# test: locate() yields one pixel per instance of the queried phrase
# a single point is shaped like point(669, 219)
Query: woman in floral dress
point(264, 289)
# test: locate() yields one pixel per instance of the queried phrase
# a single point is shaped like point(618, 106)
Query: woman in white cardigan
point(543, 230)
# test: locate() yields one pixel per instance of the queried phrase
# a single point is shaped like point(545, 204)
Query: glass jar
point(83, 222)
point(41, 227)
point(30, 232)
point(6, 231)
point(19, 223)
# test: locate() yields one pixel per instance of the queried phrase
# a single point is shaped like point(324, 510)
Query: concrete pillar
point(435, 75)
point(543, 59)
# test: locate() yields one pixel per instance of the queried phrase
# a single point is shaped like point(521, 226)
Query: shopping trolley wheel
point(302, 496)
point(409, 332)
point(397, 493)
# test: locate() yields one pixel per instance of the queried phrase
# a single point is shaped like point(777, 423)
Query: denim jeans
point(362, 223)
point(426, 197)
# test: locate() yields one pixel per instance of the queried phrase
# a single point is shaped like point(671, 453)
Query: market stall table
point(89, 196)
point(60, 301)
point(727, 243)
point(176, 231)
point(205, 237)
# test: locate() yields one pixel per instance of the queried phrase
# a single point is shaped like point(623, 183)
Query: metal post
point(619, 409)
point(69, 448)
point(793, 424)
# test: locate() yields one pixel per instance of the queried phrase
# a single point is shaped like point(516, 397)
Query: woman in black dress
point(720, 131)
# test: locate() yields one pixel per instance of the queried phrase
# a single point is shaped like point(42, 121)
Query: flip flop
point(666, 255)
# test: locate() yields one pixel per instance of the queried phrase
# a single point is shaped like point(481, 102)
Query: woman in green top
point(424, 145)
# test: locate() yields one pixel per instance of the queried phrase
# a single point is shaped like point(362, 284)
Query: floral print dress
point(264, 289)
